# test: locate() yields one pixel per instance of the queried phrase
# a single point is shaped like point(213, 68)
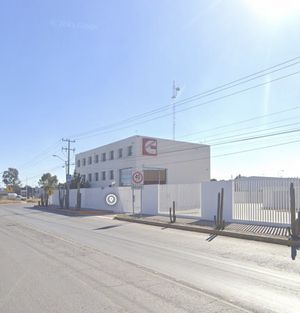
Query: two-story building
point(162, 161)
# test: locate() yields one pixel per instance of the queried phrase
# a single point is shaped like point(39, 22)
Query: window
point(78, 163)
point(103, 174)
point(111, 174)
point(154, 177)
point(120, 153)
point(129, 151)
point(83, 162)
point(90, 177)
point(103, 157)
point(125, 176)
point(90, 160)
point(96, 176)
point(83, 178)
point(96, 158)
point(111, 155)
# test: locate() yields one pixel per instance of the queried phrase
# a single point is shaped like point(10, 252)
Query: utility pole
point(26, 189)
point(174, 95)
point(68, 149)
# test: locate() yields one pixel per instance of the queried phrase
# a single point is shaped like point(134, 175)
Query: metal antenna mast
point(174, 95)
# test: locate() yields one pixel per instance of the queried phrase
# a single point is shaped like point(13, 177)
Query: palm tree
point(49, 184)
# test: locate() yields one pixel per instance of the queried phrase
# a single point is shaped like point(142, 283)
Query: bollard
point(172, 213)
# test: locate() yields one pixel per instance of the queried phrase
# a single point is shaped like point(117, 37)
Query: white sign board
point(137, 178)
point(68, 178)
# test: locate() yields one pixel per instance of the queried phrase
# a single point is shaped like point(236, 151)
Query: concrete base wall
point(209, 203)
point(94, 198)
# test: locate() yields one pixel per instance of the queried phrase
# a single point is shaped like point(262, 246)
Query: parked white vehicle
point(19, 197)
point(12, 196)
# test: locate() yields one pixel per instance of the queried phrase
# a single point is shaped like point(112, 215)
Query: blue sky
point(72, 66)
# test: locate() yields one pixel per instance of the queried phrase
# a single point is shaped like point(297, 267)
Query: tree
point(11, 179)
point(76, 178)
point(49, 184)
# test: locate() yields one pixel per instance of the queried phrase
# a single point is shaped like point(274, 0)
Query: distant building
point(3, 193)
point(163, 161)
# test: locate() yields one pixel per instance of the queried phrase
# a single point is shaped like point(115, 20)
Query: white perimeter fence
point(264, 200)
point(256, 201)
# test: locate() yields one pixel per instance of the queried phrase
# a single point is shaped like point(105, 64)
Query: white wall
point(187, 198)
point(94, 198)
point(191, 199)
point(150, 199)
point(116, 164)
point(186, 163)
point(210, 199)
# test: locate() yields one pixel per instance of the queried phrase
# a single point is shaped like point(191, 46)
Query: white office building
point(162, 161)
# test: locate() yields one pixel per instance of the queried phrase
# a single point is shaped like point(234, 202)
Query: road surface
point(55, 263)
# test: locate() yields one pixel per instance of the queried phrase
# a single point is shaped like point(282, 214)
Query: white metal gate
point(264, 200)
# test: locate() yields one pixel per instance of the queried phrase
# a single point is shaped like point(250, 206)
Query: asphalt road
point(55, 263)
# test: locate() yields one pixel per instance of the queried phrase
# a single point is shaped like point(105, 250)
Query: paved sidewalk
point(271, 234)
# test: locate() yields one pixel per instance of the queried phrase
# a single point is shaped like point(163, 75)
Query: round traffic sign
point(137, 177)
point(111, 199)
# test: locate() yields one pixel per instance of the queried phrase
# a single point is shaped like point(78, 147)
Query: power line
point(218, 89)
point(198, 105)
point(39, 175)
point(242, 121)
point(187, 100)
point(238, 130)
point(258, 137)
point(253, 132)
point(230, 153)
point(201, 147)
point(243, 79)
point(39, 155)
point(233, 141)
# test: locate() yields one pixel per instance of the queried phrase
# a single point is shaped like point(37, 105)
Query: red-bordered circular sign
point(138, 178)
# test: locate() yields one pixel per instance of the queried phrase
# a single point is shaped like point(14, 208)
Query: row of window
point(111, 176)
point(111, 156)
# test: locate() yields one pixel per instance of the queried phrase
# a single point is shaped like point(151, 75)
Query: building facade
point(162, 161)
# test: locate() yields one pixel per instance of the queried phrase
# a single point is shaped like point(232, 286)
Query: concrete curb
point(73, 212)
point(206, 230)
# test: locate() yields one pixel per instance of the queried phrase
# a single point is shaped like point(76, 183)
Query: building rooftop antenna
point(174, 95)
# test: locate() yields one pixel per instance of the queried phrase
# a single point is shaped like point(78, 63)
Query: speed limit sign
point(137, 178)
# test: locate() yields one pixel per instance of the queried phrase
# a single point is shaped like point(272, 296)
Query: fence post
point(221, 209)
point(293, 209)
point(219, 222)
point(294, 221)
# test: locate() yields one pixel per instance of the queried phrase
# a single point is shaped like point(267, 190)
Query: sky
point(77, 69)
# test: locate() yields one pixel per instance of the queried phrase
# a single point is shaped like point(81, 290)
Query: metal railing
point(264, 200)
